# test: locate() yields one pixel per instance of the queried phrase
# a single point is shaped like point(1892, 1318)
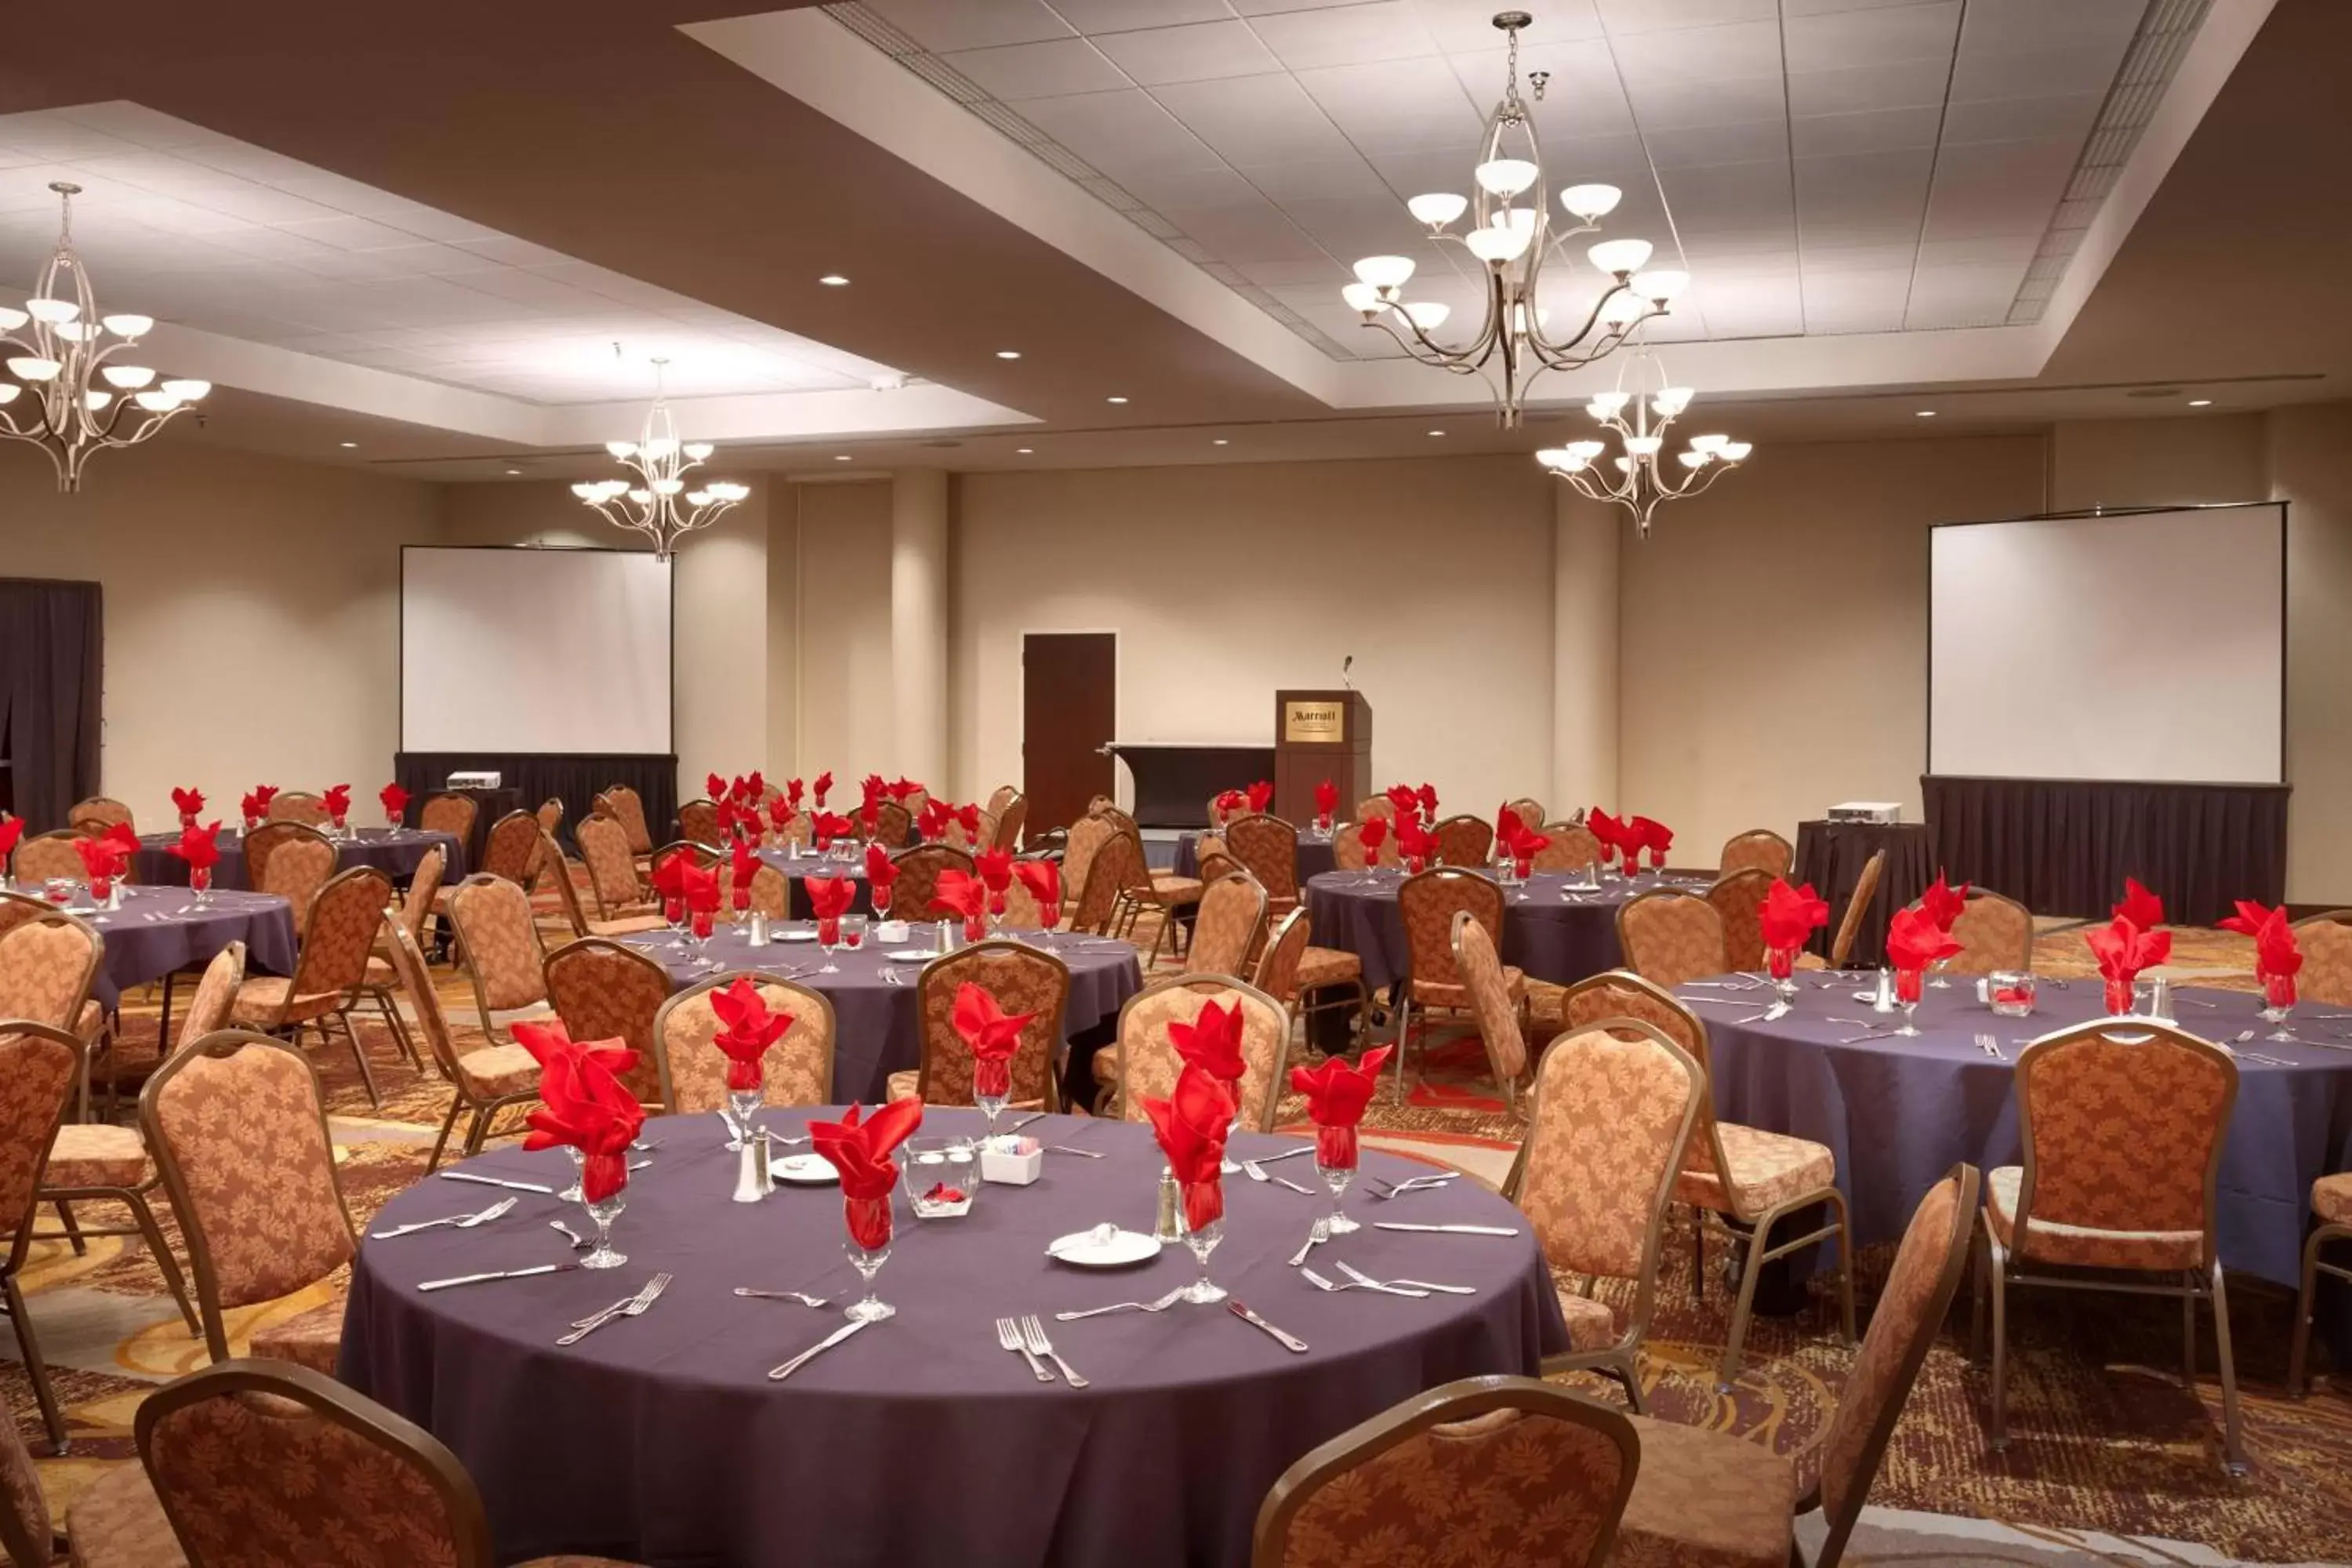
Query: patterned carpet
point(2105, 1436)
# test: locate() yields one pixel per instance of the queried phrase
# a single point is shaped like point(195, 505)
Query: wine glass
point(1780, 964)
point(1203, 1291)
point(1335, 1162)
point(2278, 1001)
point(878, 895)
point(1906, 991)
point(828, 937)
point(200, 882)
point(573, 1194)
point(869, 1223)
point(1936, 982)
point(601, 1215)
point(741, 1105)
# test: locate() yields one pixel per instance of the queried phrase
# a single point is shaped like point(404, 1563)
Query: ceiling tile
point(1198, 53)
point(2010, 250)
point(1857, 258)
point(2057, 74)
point(1626, 17)
point(353, 233)
point(1164, 188)
point(1868, 188)
point(1697, 54)
point(940, 26)
point(1346, 35)
point(1847, 40)
point(1582, 95)
point(2034, 25)
point(1253, 119)
point(1396, 106)
point(1857, 301)
point(1917, 84)
point(1701, 145)
point(1346, 178)
point(1321, 272)
point(1973, 296)
point(1821, 8)
point(1256, 231)
point(1095, 16)
point(1681, 105)
point(1869, 130)
point(1734, 197)
point(1011, 72)
point(1122, 133)
point(2023, 119)
point(1997, 188)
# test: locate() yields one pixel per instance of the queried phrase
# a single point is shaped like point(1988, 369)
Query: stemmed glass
point(742, 1104)
point(1203, 1291)
point(702, 924)
point(1936, 982)
point(1335, 1162)
point(602, 1215)
point(878, 895)
point(2278, 1001)
point(1906, 991)
point(1780, 964)
point(828, 937)
point(200, 882)
point(868, 1261)
point(573, 1194)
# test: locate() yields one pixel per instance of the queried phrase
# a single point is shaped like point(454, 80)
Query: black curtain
point(52, 657)
point(574, 778)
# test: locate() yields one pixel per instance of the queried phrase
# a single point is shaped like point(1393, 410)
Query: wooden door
point(1070, 706)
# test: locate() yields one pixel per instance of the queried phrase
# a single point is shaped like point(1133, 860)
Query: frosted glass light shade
point(1561, 457)
point(1491, 244)
point(130, 377)
point(1612, 401)
point(1672, 401)
point(129, 326)
point(187, 391)
point(1620, 256)
point(1437, 208)
point(1591, 201)
point(1428, 314)
point(95, 401)
point(668, 487)
point(1708, 443)
point(661, 446)
point(29, 368)
point(1622, 306)
point(697, 451)
point(1732, 451)
point(1505, 176)
point(11, 319)
point(74, 332)
point(1385, 271)
point(1361, 297)
point(1643, 446)
point(156, 402)
point(728, 490)
point(1692, 459)
point(8, 391)
point(622, 448)
point(52, 311)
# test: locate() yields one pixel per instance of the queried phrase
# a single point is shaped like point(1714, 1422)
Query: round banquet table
point(397, 852)
point(920, 1440)
point(1550, 930)
point(877, 1030)
point(1313, 855)
point(1898, 1113)
point(798, 869)
point(159, 930)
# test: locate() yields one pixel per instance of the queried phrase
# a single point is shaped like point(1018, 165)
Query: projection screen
point(2139, 645)
point(534, 650)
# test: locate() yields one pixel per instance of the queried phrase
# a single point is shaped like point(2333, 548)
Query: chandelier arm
point(1557, 352)
point(1424, 351)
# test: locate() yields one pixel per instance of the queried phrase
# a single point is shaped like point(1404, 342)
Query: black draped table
point(160, 931)
point(1832, 855)
point(1174, 780)
point(799, 867)
point(1554, 926)
point(526, 778)
point(920, 1440)
point(396, 851)
point(2063, 847)
point(1313, 855)
point(877, 1030)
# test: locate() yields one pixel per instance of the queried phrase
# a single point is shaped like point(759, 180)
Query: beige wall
point(2156, 462)
point(2310, 460)
point(252, 614)
point(844, 632)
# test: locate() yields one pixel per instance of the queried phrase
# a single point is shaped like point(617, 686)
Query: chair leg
point(72, 1228)
point(165, 1264)
point(1845, 1265)
point(1997, 1259)
point(477, 1132)
point(1977, 1296)
point(449, 1124)
point(2305, 1302)
point(1629, 1372)
point(1699, 1255)
point(2189, 1333)
point(1745, 1304)
point(1403, 1039)
point(2233, 1445)
point(359, 1054)
point(29, 1347)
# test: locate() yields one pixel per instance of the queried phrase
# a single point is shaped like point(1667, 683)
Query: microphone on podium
point(1346, 664)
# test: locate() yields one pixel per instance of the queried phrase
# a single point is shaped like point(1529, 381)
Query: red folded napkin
point(991, 1033)
point(870, 787)
point(1372, 833)
point(861, 1153)
point(730, 817)
point(1608, 830)
point(1261, 796)
point(1404, 800)
point(2124, 950)
point(995, 867)
point(749, 1029)
point(793, 789)
point(1641, 833)
point(1190, 1125)
point(1913, 942)
point(959, 893)
point(189, 802)
point(11, 829)
point(1524, 850)
point(1043, 880)
point(2252, 916)
point(1337, 1094)
point(700, 884)
point(752, 786)
point(583, 1104)
point(669, 881)
point(337, 802)
point(826, 826)
point(823, 786)
point(394, 799)
point(2278, 957)
point(103, 861)
point(1230, 803)
point(1942, 903)
point(199, 846)
point(1327, 801)
point(869, 817)
point(1427, 795)
point(743, 864)
point(2140, 906)
point(967, 816)
point(1211, 1042)
point(880, 869)
point(781, 812)
point(932, 824)
point(1508, 827)
point(1414, 842)
point(829, 899)
point(714, 787)
point(1789, 915)
point(256, 802)
point(900, 788)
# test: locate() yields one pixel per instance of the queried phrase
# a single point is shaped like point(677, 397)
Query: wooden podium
point(1320, 735)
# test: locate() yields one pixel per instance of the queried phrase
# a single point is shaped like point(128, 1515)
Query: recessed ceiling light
point(841, 457)
point(1024, 451)
point(2200, 403)
point(1924, 414)
point(834, 281)
point(514, 470)
point(1437, 432)
point(1114, 400)
point(1008, 354)
point(1221, 441)
point(349, 445)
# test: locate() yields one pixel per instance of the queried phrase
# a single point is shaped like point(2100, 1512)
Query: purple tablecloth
point(1544, 932)
point(395, 852)
point(875, 1030)
point(1314, 855)
point(920, 1441)
point(159, 930)
point(1898, 1113)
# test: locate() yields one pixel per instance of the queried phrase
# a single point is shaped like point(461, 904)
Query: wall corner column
point(919, 625)
point(1584, 764)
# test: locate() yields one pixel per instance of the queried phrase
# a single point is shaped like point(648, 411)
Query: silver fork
point(1363, 1279)
point(1033, 1335)
point(635, 1307)
point(1990, 1047)
point(1322, 1284)
point(455, 1221)
point(1161, 1305)
point(1316, 1235)
point(1008, 1334)
point(803, 1297)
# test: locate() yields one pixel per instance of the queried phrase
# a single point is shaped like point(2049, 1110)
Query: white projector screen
point(534, 650)
point(2144, 646)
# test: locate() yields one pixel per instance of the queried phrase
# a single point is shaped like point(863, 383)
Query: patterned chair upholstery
point(1022, 979)
point(417, 908)
point(1349, 854)
point(1163, 892)
point(48, 857)
point(1757, 849)
point(1021, 911)
point(1085, 840)
point(919, 878)
point(611, 869)
point(1427, 904)
point(450, 813)
point(1147, 1063)
point(1000, 797)
point(1615, 1107)
point(1857, 910)
point(1011, 817)
point(1506, 1472)
point(1994, 932)
point(2331, 1201)
point(698, 820)
point(1278, 959)
point(1572, 848)
point(290, 860)
point(117, 1522)
point(1373, 805)
point(1228, 926)
point(2123, 1128)
point(97, 814)
point(2325, 943)
point(547, 855)
point(238, 1128)
point(1739, 900)
point(604, 991)
point(484, 1080)
point(383, 1493)
point(1669, 937)
point(498, 941)
point(772, 891)
point(40, 1066)
point(330, 968)
point(1268, 849)
point(625, 806)
point(894, 825)
point(1530, 813)
point(797, 1070)
point(48, 964)
point(567, 896)
point(1491, 1003)
point(1108, 872)
point(1754, 1177)
point(1464, 840)
point(298, 805)
point(1714, 1501)
point(511, 847)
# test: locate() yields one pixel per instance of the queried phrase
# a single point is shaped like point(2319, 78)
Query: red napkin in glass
point(1427, 795)
point(793, 789)
point(1372, 834)
point(11, 830)
point(257, 802)
point(995, 870)
point(189, 802)
point(932, 822)
point(1211, 1042)
point(1231, 804)
point(1942, 903)
point(880, 869)
point(959, 893)
point(337, 802)
point(822, 788)
point(753, 787)
point(1608, 830)
point(829, 899)
point(991, 1033)
point(1337, 1094)
point(700, 884)
point(1641, 833)
point(743, 864)
point(394, 799)
point(2124, 950)
point(781, 812)
point(1415, 843)
point(669, 881)
point(1524, 850)
point(1508, 827)
point(199, 846)
point(869, 817)
point(861, 1153)
point(1788, 915)
point(102, 859)
point(2277, 956)
point(900, 788)
point(1043, 880)
point(1913, 942)
point(1191, 1124)
point(1404, 801)
point(2140, 906)
point(1261, 796)
point(583, 1104)
point(968, 815)
point(714, 787)
point(1327, 801)
point(728, 814)
point(749, 1029)
point(826, 826)
point(2252, 916)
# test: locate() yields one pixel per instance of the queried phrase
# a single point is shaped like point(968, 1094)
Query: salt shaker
point(1169, 1223)
point(759, 937)
point(1884, 1001)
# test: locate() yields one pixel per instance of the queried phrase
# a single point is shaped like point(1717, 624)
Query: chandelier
point(1512, 243)
point(661, 462)
point(58, 351)
point(1643, 483)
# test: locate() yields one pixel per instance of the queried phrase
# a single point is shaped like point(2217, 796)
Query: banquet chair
point(1219, 815)
point(1163, 892)
point(237, 1127)
point(1612, 1117)
point(567, 896)
point(625, 806)
point(1994, 932)
point(1349, 854)
point(218, 1446)
point(2331, 1202)
point(1010, 817)
point(498, 943)
point(1509, 1472)
point(1146, 1065)
point(291, 861)
point(1229, 924)
point(2123, 1126)
point(1003, 795)
point(510, 849)
point(1291, 970)
point(919, 878)
point(2325, 943)
point(698, 820)
point(451, 813)
point(1268, 848)
point(1373, 805)
point(1739, 900)
point(1530, 813)
point(1211, 862)
point(612, 874)
point(799, 828)
point(484, 1081)
point(39, 1066)
point(1464, 840)
point(1757, 849)
point(1857, 910)
point(604, 991)
point(1083, 840)
point(1707, 1496)
point(1496, 1012)
point(48, 857)
point(797, 1070)
point(49, 961)
point(1669, 936)
point(1749, 1179)
point(330, 968)
point(112, 1522)
point(416, 907)
point(1573, 847)
point(1022, 979)
point(1432, 984)
point(1107, 874)
point(894, 825)
point(298, 806)
point(547, 854)
point(1022, 910)
point(772, 891)
point(96, 815)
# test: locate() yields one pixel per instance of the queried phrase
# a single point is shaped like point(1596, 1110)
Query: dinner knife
point(777, 1374)
point(1447, 1229)
point(495, 1182)
point(1288, 1342)
point(499, 1274)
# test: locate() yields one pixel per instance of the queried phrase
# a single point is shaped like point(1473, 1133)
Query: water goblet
point(1203, 1291)
point(573, 1194)
point(601, 1215)
point(2278, 1001)
point(1335, 1162)
point(742, 1104)
point(1907, 992)
point(828, 937)
point(869, 1248)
